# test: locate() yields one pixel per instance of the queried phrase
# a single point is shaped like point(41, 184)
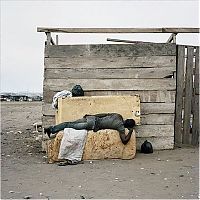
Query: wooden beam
point(188, 95)
point(195, 123)
point(125, 41)
point(56, 39)
point(48, 38)
point(179, 93)
point(119, 30)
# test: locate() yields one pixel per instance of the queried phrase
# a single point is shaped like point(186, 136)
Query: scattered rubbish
point(116, 178)
point(28, 197)
point(167, 160)
point(19, 132)
point(41, 194)
point(77, 91)
point(34, 132)
point(91, 162)
point(166, 186)
point(61, 94)
point(141, 168)
point(146, 147)
point(113, 163)
point(44, 156)
point(82, 197)
point(152, 173)
point(11, 192)
point(165, 179)
point(181, 175)
point(158, 159)
point(8, 155)
point(132, 180)
point(80, 186)
point(39, 137)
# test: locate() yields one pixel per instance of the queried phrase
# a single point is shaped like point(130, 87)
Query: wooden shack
point(154, 71)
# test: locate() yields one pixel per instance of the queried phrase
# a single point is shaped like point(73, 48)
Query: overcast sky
point(22, 48)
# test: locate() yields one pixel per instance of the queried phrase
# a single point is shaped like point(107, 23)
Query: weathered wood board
point(153, 96)
point(111, 84)
point(104, 144)
point(111, 50)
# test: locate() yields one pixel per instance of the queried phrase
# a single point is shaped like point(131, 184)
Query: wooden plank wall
point(118, 69)
point(187, 96)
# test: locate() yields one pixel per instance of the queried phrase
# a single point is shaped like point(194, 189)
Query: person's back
point(110, 121)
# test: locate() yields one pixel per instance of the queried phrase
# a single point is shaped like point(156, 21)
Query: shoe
point(70, 162)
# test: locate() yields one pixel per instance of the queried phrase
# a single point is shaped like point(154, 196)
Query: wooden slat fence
point(187, 96)
point(118, 69)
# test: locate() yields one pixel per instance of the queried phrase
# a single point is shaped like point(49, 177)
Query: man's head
point(129, 123)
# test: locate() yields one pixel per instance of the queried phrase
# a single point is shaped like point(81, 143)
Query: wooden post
point(56, 39)
point(195, 124)
point(188, 95)
point(179, 93)
point(48, 38)
point(174, 37)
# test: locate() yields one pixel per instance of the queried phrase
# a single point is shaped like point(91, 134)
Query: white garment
point(64, 93)
point(72, 144)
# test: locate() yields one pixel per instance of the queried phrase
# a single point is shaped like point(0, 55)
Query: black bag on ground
point(77, 91)
point(146, 147)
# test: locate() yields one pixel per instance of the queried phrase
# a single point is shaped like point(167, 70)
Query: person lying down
point(98, 122)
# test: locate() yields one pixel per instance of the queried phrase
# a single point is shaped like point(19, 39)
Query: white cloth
point(64, 93)
point(72, 144)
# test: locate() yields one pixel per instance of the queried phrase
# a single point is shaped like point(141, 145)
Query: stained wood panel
point(111, 62)
point(179, 94)
point(104, 73)
point(188, 95)
point(110, 50)
point(111, 84)
point(145, 96)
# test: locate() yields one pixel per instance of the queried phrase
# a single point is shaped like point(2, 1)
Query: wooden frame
point(119, 30)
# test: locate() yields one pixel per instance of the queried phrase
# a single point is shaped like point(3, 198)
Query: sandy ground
point(169, 174)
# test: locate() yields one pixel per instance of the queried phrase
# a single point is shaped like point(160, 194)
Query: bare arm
point(125, 138)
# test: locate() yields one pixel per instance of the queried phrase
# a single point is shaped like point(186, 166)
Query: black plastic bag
point(77, 91)
point(146, 147)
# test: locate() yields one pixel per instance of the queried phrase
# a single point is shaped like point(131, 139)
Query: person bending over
point(98, 122)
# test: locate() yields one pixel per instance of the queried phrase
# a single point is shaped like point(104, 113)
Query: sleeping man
point(98, 122)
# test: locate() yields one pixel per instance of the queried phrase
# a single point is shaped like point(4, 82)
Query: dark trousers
point(78, 125)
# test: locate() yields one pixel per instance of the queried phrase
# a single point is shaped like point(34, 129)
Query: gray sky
point(22, 48)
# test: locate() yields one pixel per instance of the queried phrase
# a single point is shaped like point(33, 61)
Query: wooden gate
point(187, 96)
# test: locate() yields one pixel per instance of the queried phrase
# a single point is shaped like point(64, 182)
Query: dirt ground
point(169, 174)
